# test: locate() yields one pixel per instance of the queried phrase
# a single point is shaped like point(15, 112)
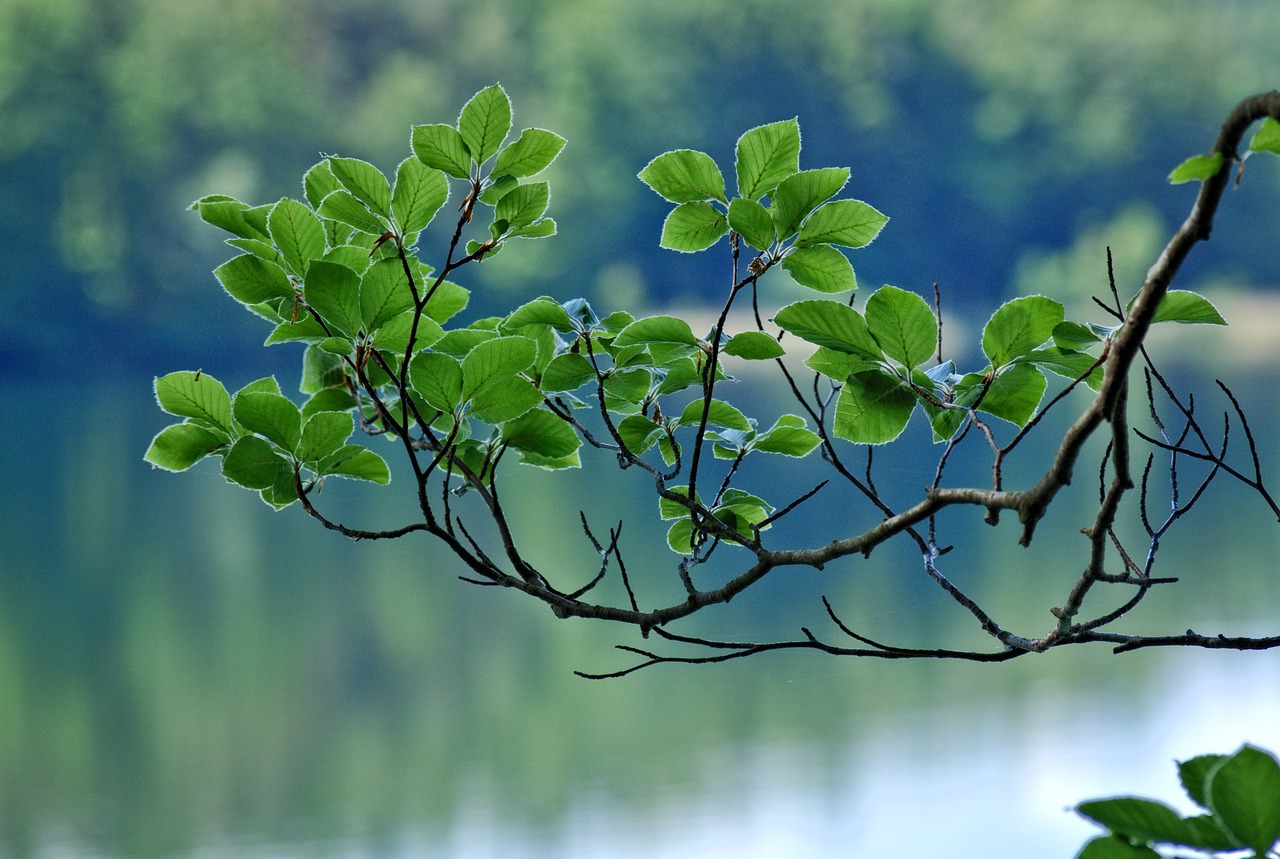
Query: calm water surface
point(185, 673)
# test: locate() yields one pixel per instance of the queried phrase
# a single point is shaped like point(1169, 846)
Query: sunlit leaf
point(1196, 169)
point(821, 268)
point(831, 324)
point(1019, 326)
point(850, 223)
point(484, 122)
point(873, 408)
point(800, 193)
point(178, 447)
point(693, 227)
point(685, 176)
point(765, 156)
point(903, 325)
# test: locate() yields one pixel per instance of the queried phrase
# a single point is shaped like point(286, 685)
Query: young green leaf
point(719, 414)
point(1137, 819)
point(789, 436)
point(523, 205)
point(903, 325)
point(1015, 394)
point(532, 153)
point(252, 463)
point(1073, 335)
point(442, 148)
point(567, 372)
point(639, 433)
point(540, 311)
point(836, 365)
point(1182, 305)
point(384, 293)
point(195, 395)
point(754, 346)
point(298, 234)
point(1196, 169)
point(419, 193)
point(365, 182)
point(873, 408)
point(1267, 137)
point(850, 223)
point(318, 183)
point(180, 446)
point(438, 379)
point(342, 206)
point(685, 176)
point(446, 301)
point(1194, 775)
point(1066, 362)
point(832, 324)
point(484, 122)
point(821, 268)
point(228, 214)
point(753, 222)
point(656, 329)
point(328, 400)
point(1244, 793)
point(269, 415)
point(765, 156)
point(364, 465)
point(542, 229)
point(504, 398)
point(324, 433)
point(495, 358)
point(693, 227)
point(541, 433)
point(801, 193)
point(680, 536)
point(251, 280)
point(333, 291)
point(320, 370)
point(1019, 326)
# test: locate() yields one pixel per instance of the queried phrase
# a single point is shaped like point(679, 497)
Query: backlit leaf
point(298, 234)
point(195, 395)
point(754, 346)
point(753, 222)
point(419, 193)
point(333, 291)
point(252, 463)
point(685, 176)
point(801, 193)
point(269, 415)
point(822, 268)
point(1019, 326)
point(365, 182)
point(903, 325)
point(873, 408)
point(532, 153)
point(831, 324)
point(1196, 169)
point(484, 122)
point(178, 447)
point(693, 227)
point(251, 280)
point(850, 223)
point(765, 156)
point(442, 148)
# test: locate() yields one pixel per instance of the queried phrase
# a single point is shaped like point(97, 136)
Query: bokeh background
point(185, 673)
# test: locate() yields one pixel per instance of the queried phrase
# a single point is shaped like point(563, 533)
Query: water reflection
point(183, 672)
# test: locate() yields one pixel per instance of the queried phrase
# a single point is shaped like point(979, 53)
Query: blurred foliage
point(958, 115)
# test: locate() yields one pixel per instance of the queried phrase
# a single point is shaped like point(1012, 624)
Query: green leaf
point(523, 205)
point(789, 437)
point(320, 370)
point(831, 324)
point(540, 311)
point(365, 182)
point(719, 414)
point(1196, 169)
point(484, 122)
point(442, 148)
point(324, 433)
point(251, 280)
point(438, 379)
point(500, 356)
point(298, 234)
point(903, 325)
point(333, 291)
point(532, 153)
point(306, 329)
point(252, 463)
point(1244, 794)
point(365, 465)
point(1137, 819)
point(656, 329)
point(801, 193)
point(1115, 847)
point(447, 301)
point(384, 293)
point(542, 229)
point(685, 176)
point(629, 386)
point(541, 433)
point(754, 346)
point(1073, 335)
point(504, 398)
point(318, 183)
point(178, 447)
point(836, 365)
point(195, 395)
point(419, 193)
point(851, 223)
point(1018, 327)
point(1267, 137)
point(567, 372)
point(1182, 305)
point(269, 415)
point(1194, 775)
point(1015, 394)
point(343, 207)
point(639, 433)
point(766, 155)
point(227, 213)
point(328, 400)
point(1066, 363)
point(873, 408)
point(822, 268)
point(693, 227)
point(680, 537)
point(753, 222)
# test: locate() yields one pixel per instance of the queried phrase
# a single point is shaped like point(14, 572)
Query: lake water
point(185, 673)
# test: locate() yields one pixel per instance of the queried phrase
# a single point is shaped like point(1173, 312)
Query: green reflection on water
point(181, 667)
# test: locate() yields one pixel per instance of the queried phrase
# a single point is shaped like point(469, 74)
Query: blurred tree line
point(981, 128)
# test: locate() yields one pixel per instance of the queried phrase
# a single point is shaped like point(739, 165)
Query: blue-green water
point(184, 672)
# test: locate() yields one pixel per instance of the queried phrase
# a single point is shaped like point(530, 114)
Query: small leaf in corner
point(1196, 169)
